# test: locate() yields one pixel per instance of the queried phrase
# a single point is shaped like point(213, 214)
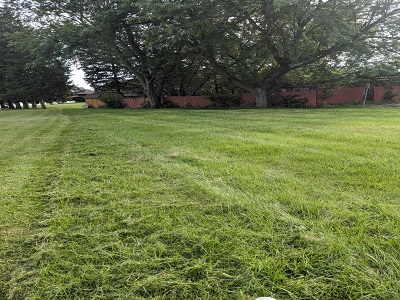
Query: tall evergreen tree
point(27, 73)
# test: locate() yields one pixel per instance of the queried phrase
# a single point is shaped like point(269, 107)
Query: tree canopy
point(257, 44)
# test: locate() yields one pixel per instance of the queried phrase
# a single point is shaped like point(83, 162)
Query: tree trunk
point(154, 97)
point(2, 105)
point(34, 104)
point(148, 83)
point(263, 97)
point(10, 104)
point(42, 105)
point(25, 104)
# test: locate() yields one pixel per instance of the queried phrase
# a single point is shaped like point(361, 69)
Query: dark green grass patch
point(181, 204)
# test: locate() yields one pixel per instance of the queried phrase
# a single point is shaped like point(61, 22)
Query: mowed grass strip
point(31, 147)
point(197, 204)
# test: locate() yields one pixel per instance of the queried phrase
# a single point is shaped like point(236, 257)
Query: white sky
point(77, 78)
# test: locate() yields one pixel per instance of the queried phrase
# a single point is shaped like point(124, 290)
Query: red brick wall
point(193, 101)
point(379, 93)
point(201, 101)
point(315, 97)
point(340, 96)
point(396, 91)
point(134, 102)
point(181, 101)
point(248, 99)
point(310, 95)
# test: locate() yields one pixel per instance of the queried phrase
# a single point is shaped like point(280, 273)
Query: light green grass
point(197, 204)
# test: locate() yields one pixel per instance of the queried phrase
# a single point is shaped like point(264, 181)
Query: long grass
point(197, 204)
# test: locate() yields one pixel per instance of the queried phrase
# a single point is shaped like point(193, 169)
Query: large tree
point(27, 73)
point(256, 43)
point(132, 35)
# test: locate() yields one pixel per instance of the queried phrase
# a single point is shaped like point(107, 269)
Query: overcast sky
point(77, 78)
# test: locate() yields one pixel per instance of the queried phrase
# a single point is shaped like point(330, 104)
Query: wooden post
point(366, 93)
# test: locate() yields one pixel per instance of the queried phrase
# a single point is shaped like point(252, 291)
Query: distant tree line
point(171, 47)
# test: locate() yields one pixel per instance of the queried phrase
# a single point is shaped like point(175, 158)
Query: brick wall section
point(189, 101)
point(248, 99)
point(315, 98)
point(134, 102)
point(181, 101)
point(396, 90)
point(340, 96)
point(310, 95)
point(379, 93)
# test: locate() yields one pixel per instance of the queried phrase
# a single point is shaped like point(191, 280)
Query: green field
point(200, 204)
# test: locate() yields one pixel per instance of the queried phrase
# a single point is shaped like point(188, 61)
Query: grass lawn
point(200, 204)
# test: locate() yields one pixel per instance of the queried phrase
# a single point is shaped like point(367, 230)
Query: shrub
point(389, 95)
point(225, 101)
point(112, 100)
point(145, 105)
point(291, 102)
point(169, 104)
point(326, 94)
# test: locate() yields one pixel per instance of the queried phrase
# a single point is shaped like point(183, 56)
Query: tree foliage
point(127, 34)
point(27, 74)
point(186, 47)
point(257, 44)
